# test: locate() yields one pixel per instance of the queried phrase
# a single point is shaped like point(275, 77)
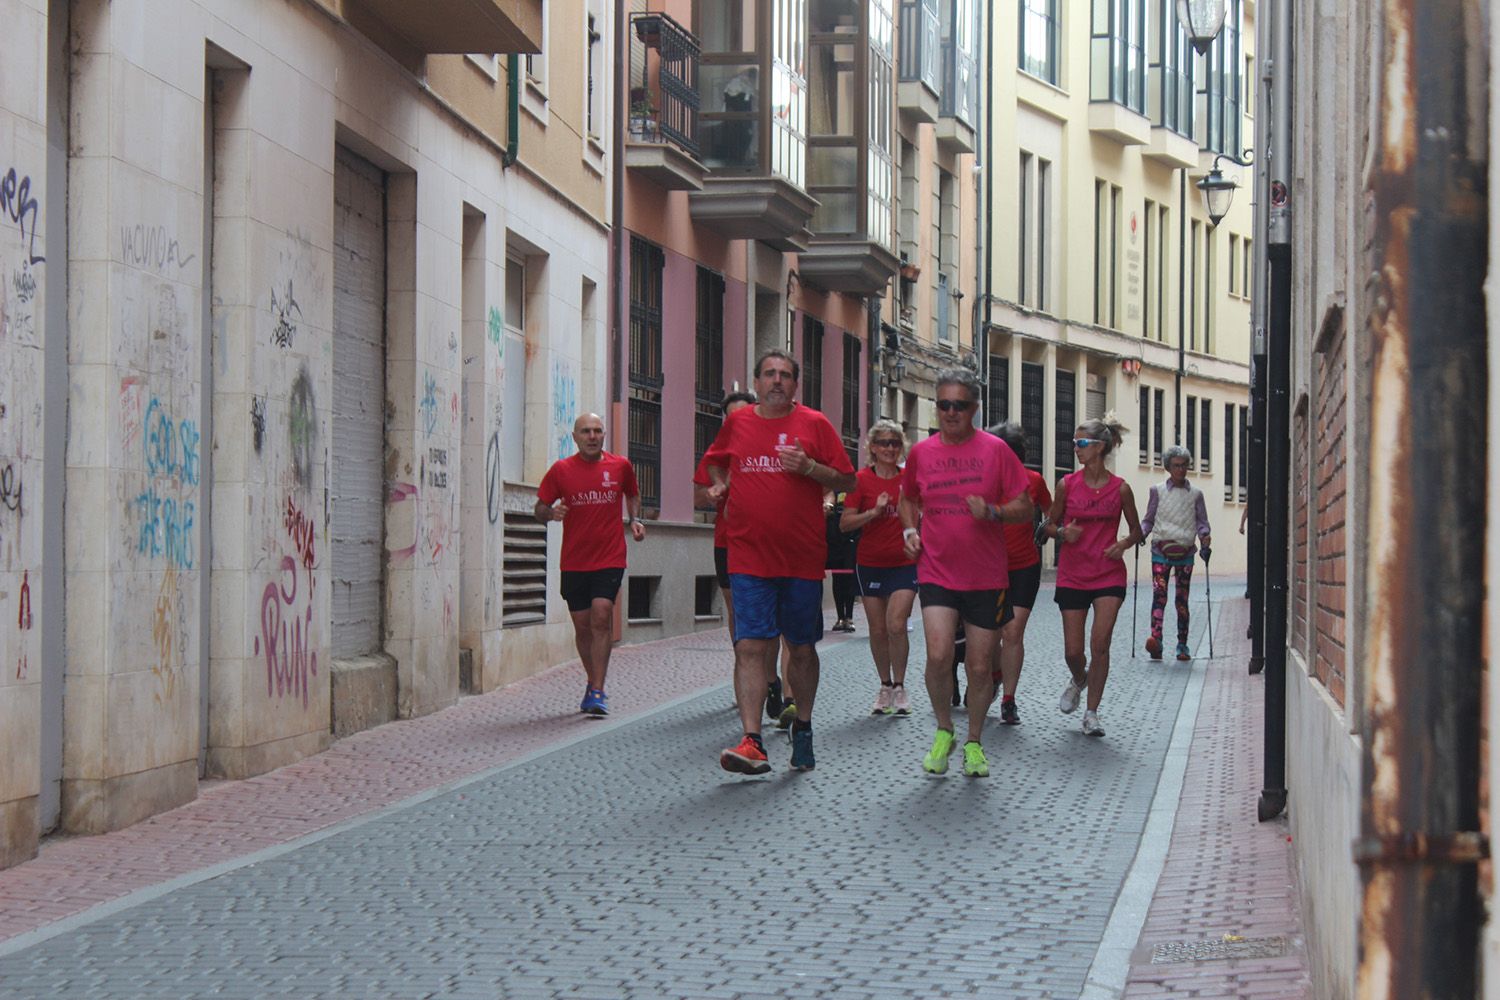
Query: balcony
point(754, 127)
point(1118, 123)
point(662, 140)
point(857, 267)
point(958, 106)
point(1170, 149)
point(920, 63)
point(457, 26)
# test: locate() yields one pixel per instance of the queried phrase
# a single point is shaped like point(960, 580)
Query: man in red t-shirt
point(584, 492)
point(782, 457)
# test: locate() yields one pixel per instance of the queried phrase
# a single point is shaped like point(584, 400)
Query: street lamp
point(1218, 192)
point(1202, 20)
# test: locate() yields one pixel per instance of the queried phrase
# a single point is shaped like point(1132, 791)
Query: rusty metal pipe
point(1426, 261)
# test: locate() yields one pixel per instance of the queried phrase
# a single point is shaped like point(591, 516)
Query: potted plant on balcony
point(642, 113)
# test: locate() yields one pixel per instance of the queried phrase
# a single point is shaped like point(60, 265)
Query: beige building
point(298, 298)
point(1109, 285)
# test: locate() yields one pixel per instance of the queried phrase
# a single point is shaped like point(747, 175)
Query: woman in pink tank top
point(1085, 520)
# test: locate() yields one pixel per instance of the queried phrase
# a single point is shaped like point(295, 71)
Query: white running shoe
point(884, 701)
point(900, 703)
point(1068, 703)
point(1091, 725)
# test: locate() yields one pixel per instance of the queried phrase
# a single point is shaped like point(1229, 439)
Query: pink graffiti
point(23, 613)
point(287, 640)
point(400, 493)
point(304, 535)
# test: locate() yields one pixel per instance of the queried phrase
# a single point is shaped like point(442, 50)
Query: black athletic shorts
point(581, 588)
point(1073, 599)
point(721, 566)
point(980, 608)
point(1024, 583)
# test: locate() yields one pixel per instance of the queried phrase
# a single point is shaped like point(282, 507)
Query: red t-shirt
point(721, 526)
point(959, 552)
point(1020, 544)
point(593, 535)
point(880, 542)
point(775, 517)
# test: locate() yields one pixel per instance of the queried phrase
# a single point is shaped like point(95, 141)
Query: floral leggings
point(1159, 573)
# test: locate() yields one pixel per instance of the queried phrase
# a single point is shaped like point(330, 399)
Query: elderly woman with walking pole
point(1177, 522)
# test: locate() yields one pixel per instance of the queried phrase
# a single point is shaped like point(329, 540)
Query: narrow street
point(614, 859)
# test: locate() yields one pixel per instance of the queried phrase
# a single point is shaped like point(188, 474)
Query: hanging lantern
point(1202, 20)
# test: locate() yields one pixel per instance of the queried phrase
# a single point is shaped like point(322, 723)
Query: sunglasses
point(887, 443)
point(1085, 442)
point(950, 405)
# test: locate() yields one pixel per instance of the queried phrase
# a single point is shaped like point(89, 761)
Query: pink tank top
point(1081, 564)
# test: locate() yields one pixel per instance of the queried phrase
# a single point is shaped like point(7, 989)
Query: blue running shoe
point(802, 752)
point(595, 702)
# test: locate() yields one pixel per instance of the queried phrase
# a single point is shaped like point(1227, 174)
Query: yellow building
point(1110, 289)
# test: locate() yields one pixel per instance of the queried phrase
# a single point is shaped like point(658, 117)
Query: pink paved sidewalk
point(1230, 882)
point(357, 775)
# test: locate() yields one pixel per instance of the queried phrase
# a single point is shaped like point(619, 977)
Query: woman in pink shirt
point(1085, 520)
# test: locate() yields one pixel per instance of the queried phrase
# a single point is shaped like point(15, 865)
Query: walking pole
point(1208, 598)
point(1135, 615)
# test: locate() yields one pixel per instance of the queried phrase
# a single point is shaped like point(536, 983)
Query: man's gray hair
point(963, 377)
point(1175, 451)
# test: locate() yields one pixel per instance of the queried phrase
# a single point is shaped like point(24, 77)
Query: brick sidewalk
point(1224, 921)
point(357, 775)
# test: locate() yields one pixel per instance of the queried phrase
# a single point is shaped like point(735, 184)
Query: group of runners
point(955, 520)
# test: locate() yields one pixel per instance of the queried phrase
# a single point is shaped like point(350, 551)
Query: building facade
point(1110, 288)
point(301, 297)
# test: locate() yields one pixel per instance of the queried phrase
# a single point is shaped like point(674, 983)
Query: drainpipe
point(1255, 461)
point(1182, 254)
point(985, 232)
point(873, 306)
point(616, 228)
point(1421, 843)
point(1278, 418)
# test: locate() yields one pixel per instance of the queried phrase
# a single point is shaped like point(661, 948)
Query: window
point(1191, 437)
point(641, 596)
point(1064, 419)
point(1244, 453)
point(1145, 425)
point(1117, 53)
point(1221, 88)
point(1106, 254)
point(945, 234)
point(849, 418)
point(1229, 430)
point(594, 81)
point(709, 360)
point(880, 184)
point(997, 391)
point(1033, 407)
point(812, 362)
point(1234, 259)
point(1193, 284)
point(513, 445)
point(1208, 288)
point(788, 95)
point(536, 62)
point(643, 436)
point(1206, 430)
point(1032, 235)
point(959, 25)
point(705, 597)
point(1158, 423)
point(1149, 317)
point(1171, 89)
point(1248, 256)
point(921, 57)
point(1038, 33)
point(1163, 259)
point(1249, 97)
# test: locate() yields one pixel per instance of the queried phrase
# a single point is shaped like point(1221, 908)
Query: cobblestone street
point(615, 859)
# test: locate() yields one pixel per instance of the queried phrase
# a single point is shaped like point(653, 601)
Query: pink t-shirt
point(958, 551)
point(1081, 564)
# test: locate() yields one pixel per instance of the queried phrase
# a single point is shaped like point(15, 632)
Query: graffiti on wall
point(302, 427)
point(166, 507)
point(168, 633)
point(18, 204)
point(23, 623)
point(257, 422)
point(492, 485)
point(496, 328)
point(564, 407)
point(153, 247)
point(286, 634)
point(429, 404)
point(287, 314)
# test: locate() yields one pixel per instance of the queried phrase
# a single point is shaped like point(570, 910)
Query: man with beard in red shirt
point(782, 456)
point(584, 491)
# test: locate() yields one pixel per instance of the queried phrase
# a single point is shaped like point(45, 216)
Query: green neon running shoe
point(975, 766)
point(936, 761)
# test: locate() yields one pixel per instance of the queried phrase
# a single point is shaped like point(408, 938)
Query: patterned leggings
point(1159, 574)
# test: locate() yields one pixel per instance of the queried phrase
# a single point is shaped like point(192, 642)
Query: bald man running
point(584, 491)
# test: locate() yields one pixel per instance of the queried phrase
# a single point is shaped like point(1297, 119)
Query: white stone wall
point(23, 288)
point(172, 475)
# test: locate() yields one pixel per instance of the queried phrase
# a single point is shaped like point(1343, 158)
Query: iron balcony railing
point(664, 96)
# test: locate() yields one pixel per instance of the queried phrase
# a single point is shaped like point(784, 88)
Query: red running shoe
point(747, 758)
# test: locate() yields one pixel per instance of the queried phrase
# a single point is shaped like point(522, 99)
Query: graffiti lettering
point(165, 622)
point(287, 312)
point(303, 532)
point(429, 405)
point(437, 473)
point(24, 283)
point(23, 622)
point(151, 246)
point(302, 427)
point(492, 488)
point(17, 203)
point(495, 328)
point(166, 527)
point(286, 636)
point(564, 408)
point(171, 446)
point(258, 421)
point(10, 488)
